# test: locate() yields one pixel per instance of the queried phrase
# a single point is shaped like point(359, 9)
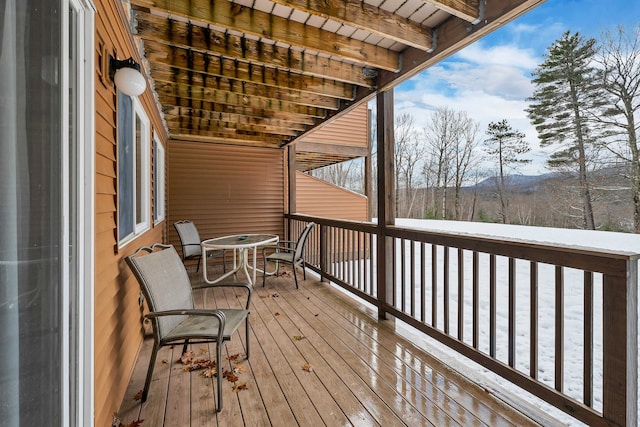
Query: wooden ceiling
point(262, 73)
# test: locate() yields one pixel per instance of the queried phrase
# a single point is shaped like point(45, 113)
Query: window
point(133, 169)
point(158, 180)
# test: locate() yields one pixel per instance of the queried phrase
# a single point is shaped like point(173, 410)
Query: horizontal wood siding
point(118, 332)
point(319, 198)
point(350, 129)
point(225, 189)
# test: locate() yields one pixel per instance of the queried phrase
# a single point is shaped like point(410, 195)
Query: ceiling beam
point(256, 139)
point(265, 25)
point(175, 111)
point(358, 14)
point(242, 141)
point(165, 74)
point(328, 148)
point(170, 103)
point(216, 66)
point(209, 125)
point(469, 10)
point(184, 35)
point(172, 90)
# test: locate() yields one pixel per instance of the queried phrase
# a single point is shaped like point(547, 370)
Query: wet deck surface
point(317, 358)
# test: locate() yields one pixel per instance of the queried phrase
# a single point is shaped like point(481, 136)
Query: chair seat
point(281, 256)
point(206, 327)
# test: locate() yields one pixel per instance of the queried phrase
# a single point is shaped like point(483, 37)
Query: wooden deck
point(317, 358)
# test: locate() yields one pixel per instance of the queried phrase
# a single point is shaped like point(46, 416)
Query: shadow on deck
point(318, 357)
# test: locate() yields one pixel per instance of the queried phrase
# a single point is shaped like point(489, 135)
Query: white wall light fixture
point(126, 75)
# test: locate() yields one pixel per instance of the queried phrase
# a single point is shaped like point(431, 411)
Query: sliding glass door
point(40, 131)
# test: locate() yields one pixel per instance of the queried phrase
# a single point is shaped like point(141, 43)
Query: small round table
point(242, 243)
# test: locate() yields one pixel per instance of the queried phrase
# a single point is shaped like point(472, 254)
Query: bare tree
point(405, 144)
point(619, 56)
point(505, 146)
point(464, 155)
point(451, 138)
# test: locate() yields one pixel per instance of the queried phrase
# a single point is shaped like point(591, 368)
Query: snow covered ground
point(573, 304)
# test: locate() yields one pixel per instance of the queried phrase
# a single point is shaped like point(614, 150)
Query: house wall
point(225, 189)
point(350, 129)
point(117, 314)
point(317, 197)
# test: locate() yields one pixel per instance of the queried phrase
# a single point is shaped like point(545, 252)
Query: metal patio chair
point(289, 252)
point(190, 242)
point(166, 286)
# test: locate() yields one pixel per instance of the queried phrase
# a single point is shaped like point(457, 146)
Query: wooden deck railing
point(460, 289)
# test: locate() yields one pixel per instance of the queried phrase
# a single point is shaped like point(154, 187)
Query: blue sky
point(491, 79)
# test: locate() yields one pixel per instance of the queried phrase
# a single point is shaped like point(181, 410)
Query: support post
point(291, 174)
point(620, 346)
point(386, 198)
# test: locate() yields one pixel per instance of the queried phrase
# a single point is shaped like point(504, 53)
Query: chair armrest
point(187, 312)
point(247, 286)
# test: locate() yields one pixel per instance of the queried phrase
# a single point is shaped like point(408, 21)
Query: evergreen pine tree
point(566, 87)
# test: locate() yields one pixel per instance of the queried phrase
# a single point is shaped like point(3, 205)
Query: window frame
point(159, 180)
point(138, 115)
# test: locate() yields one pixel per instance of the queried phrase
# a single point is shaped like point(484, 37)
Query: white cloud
point(488, 83)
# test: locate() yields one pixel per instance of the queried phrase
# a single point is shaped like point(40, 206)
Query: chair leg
point(247, 332)
point(295, 275)
point(198, 267)
point(219, 374)
point(152, 364)
point(184, 347)
point(224, 261)
point(304, 271)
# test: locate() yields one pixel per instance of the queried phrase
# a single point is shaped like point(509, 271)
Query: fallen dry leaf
point(233, 357)
point(209, 373)
point(230, 376)
point(164, 361)
point(238, 387)
point(138, 396)
point(187, 357)
point(276, 314)
point(240, 369)
point(306, 367)
point(135, 423)
point(298, 337)
point(204, 350)
point(199, 364)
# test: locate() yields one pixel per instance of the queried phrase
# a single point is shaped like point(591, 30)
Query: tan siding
point(225, 189)
point(317, 197)
point(350, 129)
point(117, 314)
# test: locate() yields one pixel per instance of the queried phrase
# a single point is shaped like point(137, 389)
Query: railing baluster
point(559, 353)
point(423, 283)
point(492, 305)
point(434, 286)
point(512, 312)
point(588, 339)
point(476, 300)
point(358, 259)
point(460, 294)
point(412, 281)
point(533, 321)
point(446, 289)
point(403, 270)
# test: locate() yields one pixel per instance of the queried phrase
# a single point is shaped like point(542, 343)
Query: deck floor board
point(361, 372)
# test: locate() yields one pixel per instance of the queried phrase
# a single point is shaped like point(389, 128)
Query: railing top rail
point(605, 261)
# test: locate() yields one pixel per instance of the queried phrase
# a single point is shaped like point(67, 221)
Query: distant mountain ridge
point(524, 183)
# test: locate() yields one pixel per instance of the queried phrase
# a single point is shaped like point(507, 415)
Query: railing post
point(324, 254)
point(620, 347)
